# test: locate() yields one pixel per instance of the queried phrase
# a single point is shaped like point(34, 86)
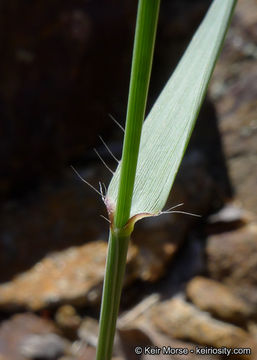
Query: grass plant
point(153, 149)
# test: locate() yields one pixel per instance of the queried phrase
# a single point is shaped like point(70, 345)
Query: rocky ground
point(233, 89)
point(189, 283)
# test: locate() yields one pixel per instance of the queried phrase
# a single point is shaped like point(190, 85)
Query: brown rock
point(82, 351)
point(15, 331)
point(145, 334)
point(88, 331)
point(68, 320)
point(184, 321)
point(218, 299)
point(127, 340)
point(54, 218)
point(136, 327)
point(232, 259)
point(72, 276)
point(156, 245)
point(233, 90)
point(229, 214)
point(44, 346)
point(161, 340)
point(252, 328)
point(230, 217)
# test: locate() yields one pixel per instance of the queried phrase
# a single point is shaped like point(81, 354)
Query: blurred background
point(64, 69)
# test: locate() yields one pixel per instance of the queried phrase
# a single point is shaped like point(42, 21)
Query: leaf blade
point(168, 127)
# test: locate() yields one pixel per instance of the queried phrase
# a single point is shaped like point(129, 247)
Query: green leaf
point(168, 127)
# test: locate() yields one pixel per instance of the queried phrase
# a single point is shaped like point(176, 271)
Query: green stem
point(114, 273)
point(148, 11)
point(147, 17)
